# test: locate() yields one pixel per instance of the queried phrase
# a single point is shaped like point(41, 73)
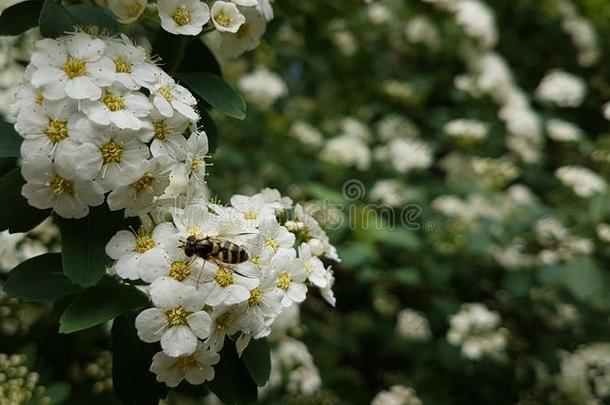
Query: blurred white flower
point(583, 181)
point(262, 87)
point(562, 88)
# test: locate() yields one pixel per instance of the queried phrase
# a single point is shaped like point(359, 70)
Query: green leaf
point(216, 92)
point(583, 278)
point(10, 141)
point(20, 17)
point(258, 361)
point(58, 392)
point(39, 279)
point(87, 15)
point(84, 242)
point(23, 217)
point(55, 19)
point(99, 304)
point(132, 379)
point(204, 62)
point(232, 382)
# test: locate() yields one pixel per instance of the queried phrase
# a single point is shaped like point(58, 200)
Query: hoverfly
point(215, 249)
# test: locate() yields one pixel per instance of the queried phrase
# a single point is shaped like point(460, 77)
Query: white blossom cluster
point(583, 181)
point(351, 147)
point(397, 395)
point(477, 330)
point(231, 27)
point(412, 325)
point(99, 116)
point(585, 374)
point(199, 301)
point(292, 366)
point(262, 87)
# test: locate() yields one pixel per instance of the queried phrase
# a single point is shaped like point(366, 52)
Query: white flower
point(291, 275)
point(195, 368)
point(107, 152)
point(262, 87)
point(253, 208)
point(131, 64)
point(139, 186)
point(406, 154)
point(466, 128)
point(177, 320)
point(477, 330)
point(412, 325)
point(226, 321)
point(75, 67)
point(327, 292)
point(583, 181)
point(169, 96)
point(231, 45)
point(48, 129)
point(168, 138)
point(125, 109)
point(127, 11)
point(263, 304)
point(186, 17)
point(57, 185)
point(316, 273)
point(226, 17)
point(397, 395)
point(348, 150)
point(306, 133)
point(274, 235)
point(196, 152)
point(562, 88)
point(128, 249)
point(225, 285)
point(563, 131)
point(171, 261)
point(245, 3)
point(265, 8)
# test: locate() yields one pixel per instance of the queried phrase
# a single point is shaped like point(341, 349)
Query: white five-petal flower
point(177, 320)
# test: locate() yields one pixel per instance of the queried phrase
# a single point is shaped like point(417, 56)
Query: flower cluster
point(221, 271)
point(99, 116)
point(477, 330)
point(232, 27)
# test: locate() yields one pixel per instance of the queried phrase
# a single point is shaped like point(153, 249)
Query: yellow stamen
point(57, 130)
point(283, 281)
point(272, 243)
point(133, 9)
point(143, 183)
point(122, 64)
point(256, 296)
point(74, 67)
point(224, 276)
point(185, 362)
point(177, 317)
point(162, 129)
point(195, 231)
point(144, 243)
point(222, 19)
point(61, 186)
point(111, 152)
point(113, 101)
point(182, 16)
point(179, 270)
point(223, 320)
point(250, 214)
point(39, 99)
point(166, 93)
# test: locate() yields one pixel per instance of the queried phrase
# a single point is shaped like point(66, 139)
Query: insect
point(215, 249)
